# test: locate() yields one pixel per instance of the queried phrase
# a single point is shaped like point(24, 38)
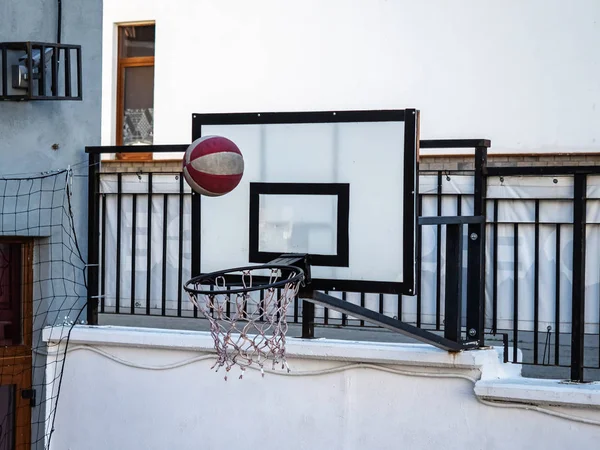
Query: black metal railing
point(40, 71)
point(530, 252)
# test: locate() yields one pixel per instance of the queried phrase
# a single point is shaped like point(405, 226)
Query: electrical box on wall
point(40, 71)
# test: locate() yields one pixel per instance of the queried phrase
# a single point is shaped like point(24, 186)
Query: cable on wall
point(343, 368)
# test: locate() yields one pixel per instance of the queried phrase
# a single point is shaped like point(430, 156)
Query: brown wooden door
point(16, 308)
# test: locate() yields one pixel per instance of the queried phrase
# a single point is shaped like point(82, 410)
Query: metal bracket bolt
point(474, 236)
point(472, 332)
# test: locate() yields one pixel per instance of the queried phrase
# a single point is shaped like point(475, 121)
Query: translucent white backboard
point(340, 186)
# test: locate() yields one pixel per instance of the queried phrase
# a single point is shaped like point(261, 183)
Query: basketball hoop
point(247, 308)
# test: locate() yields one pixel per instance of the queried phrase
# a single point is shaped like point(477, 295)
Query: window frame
point(124, 63)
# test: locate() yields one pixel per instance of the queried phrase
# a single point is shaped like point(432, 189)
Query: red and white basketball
point(213, 165)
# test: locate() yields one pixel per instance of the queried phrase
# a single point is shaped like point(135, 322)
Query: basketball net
point(248, 324)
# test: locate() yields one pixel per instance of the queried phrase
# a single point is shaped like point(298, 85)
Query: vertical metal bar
point(308, 319)
point(180, 255)
point(344, 316)
point(29, 70)
point(196, 243)
point(93, 232)
point(4, 71)
point(419, 249)
point(296, 308)
point(164, 256)
point(411, 178)
point(476, 253)
point(55, 54)
point(419, 246)
point(578, 298)
point(133, 247)
point(103, 246)
point(536, 282)
point(362, 304)
point(79, 77)
point(118, 258)
point(515, 291)
point(495, 272)
point(149, 246)
point(67, 72)
point(196, 250)
point(453, 291)
point(400, 298)
point(557, 299)
point(261, 305)
point(438, 260)
point(42, 79)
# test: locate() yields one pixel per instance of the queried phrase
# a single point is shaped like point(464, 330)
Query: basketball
point(213, 166)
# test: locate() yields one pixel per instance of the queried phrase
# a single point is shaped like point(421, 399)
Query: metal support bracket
point(387, 322)
point(29, 394)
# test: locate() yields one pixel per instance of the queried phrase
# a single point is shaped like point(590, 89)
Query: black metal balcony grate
point(40, 71)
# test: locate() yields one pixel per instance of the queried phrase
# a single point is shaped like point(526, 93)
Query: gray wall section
point(29, 129)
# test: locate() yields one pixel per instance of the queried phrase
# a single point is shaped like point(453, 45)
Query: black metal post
point(93, 238)
point(4, 70)
point(196, 219)
point(476, 253)
point(453, 297)
point(118, 256)
point(149, 245)
point(308, 320)
point(578, 298)
point(30, 69)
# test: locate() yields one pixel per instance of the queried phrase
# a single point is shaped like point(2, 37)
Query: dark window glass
point(10, 294)
point(136, 41)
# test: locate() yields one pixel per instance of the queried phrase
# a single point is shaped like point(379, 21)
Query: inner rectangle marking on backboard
point(300, 218)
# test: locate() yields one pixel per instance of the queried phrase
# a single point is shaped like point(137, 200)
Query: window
point(135, 88)
point(16, 309)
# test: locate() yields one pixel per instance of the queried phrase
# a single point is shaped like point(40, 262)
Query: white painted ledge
point(540, 392)
point(331, 349)
point(497, 381)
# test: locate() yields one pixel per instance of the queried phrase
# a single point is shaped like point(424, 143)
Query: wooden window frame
point(19, 357)
point(124, 63)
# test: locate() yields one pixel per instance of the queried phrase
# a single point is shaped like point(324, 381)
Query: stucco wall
point(29, 129)
point(524, 74)
point(127, 388)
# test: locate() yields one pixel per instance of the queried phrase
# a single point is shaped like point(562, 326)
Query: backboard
point(340, 186)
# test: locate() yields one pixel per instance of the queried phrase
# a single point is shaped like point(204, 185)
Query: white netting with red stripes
point(248, 328)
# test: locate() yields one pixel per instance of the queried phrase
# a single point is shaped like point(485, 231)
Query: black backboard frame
point(410, 117)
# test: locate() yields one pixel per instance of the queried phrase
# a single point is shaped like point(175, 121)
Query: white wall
point(524, 74)
point(127, 388)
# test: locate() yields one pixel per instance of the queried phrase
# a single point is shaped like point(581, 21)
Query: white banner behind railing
point(516, 204)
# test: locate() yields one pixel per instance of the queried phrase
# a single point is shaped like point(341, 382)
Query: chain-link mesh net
point(42, 290)
point(247, 311)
